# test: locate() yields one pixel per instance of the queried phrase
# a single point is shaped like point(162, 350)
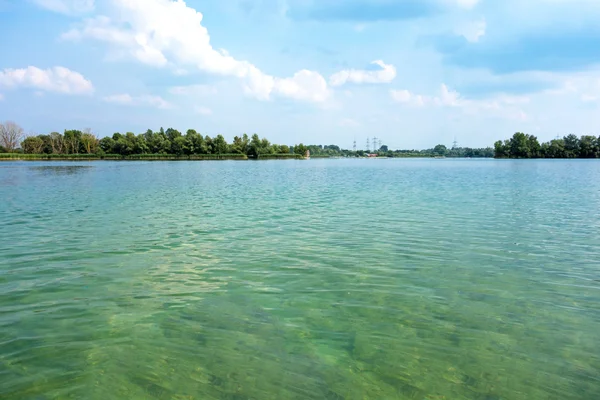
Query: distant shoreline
point(208, 157)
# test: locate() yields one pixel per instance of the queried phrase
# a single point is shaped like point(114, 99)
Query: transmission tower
point(379, 144)
point(455, 143)
point(354, 145)
point(374, 144)
point(368, 146)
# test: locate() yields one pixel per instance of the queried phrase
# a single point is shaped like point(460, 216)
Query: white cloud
point(165, 33)
point(56, 79)
point(401, 96)
point(203, 110)
point(69, 7)
point(405, 96)
point(304, 85)
point(584, 85)
point(144, 100)
point(386, 74)
point(472, 31)
point(501, 105)
point(446, 97)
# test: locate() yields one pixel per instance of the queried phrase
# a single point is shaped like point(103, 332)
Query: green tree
point(132, 143)
point(220, 145)
point(107, 144)
point(123, 146)
point(254, 148)
point(587, 147)
point(265, 146)
point(140, 146)
point(571, 146)
point(72, 140)
point(555, 149)
point(172, 134)
point(210, 148)
point(519, 145)
point(47, 147)
point(440, 150)
point(237, 146)
point(32, 145)
point(158, 143)
point(502, 149)
point(179, 145)
point(194, 142)
point(533, 146)
point(300, 149)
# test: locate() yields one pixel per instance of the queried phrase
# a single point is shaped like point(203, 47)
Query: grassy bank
point(116, 157)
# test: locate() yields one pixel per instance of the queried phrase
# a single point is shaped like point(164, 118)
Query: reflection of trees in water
point(62, 169)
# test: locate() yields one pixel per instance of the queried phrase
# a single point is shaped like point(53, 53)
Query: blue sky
point(414, 73)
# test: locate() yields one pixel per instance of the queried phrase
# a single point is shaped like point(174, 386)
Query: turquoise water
point(320, 279)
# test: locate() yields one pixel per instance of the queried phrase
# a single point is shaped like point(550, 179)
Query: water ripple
point(328, 279)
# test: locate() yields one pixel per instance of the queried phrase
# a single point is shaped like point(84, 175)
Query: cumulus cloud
point(304, 85)
point(56, 79)
point(165, 33)
point(502, 105)
point(69, 7)
point(446, 97)
point(384, 74)
point(144, 100)
point(405, 96)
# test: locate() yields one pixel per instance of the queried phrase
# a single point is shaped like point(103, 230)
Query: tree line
point(522, 145)
point(171, 142)
point(164, 142)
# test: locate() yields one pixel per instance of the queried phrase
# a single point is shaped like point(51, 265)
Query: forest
point(522, 145)
point(173, 143)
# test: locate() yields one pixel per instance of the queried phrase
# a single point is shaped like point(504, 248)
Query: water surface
point(320, 279)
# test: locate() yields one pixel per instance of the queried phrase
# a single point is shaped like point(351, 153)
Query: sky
point(413, 73)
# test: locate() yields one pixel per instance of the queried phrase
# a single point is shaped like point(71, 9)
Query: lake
point(320, 279)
